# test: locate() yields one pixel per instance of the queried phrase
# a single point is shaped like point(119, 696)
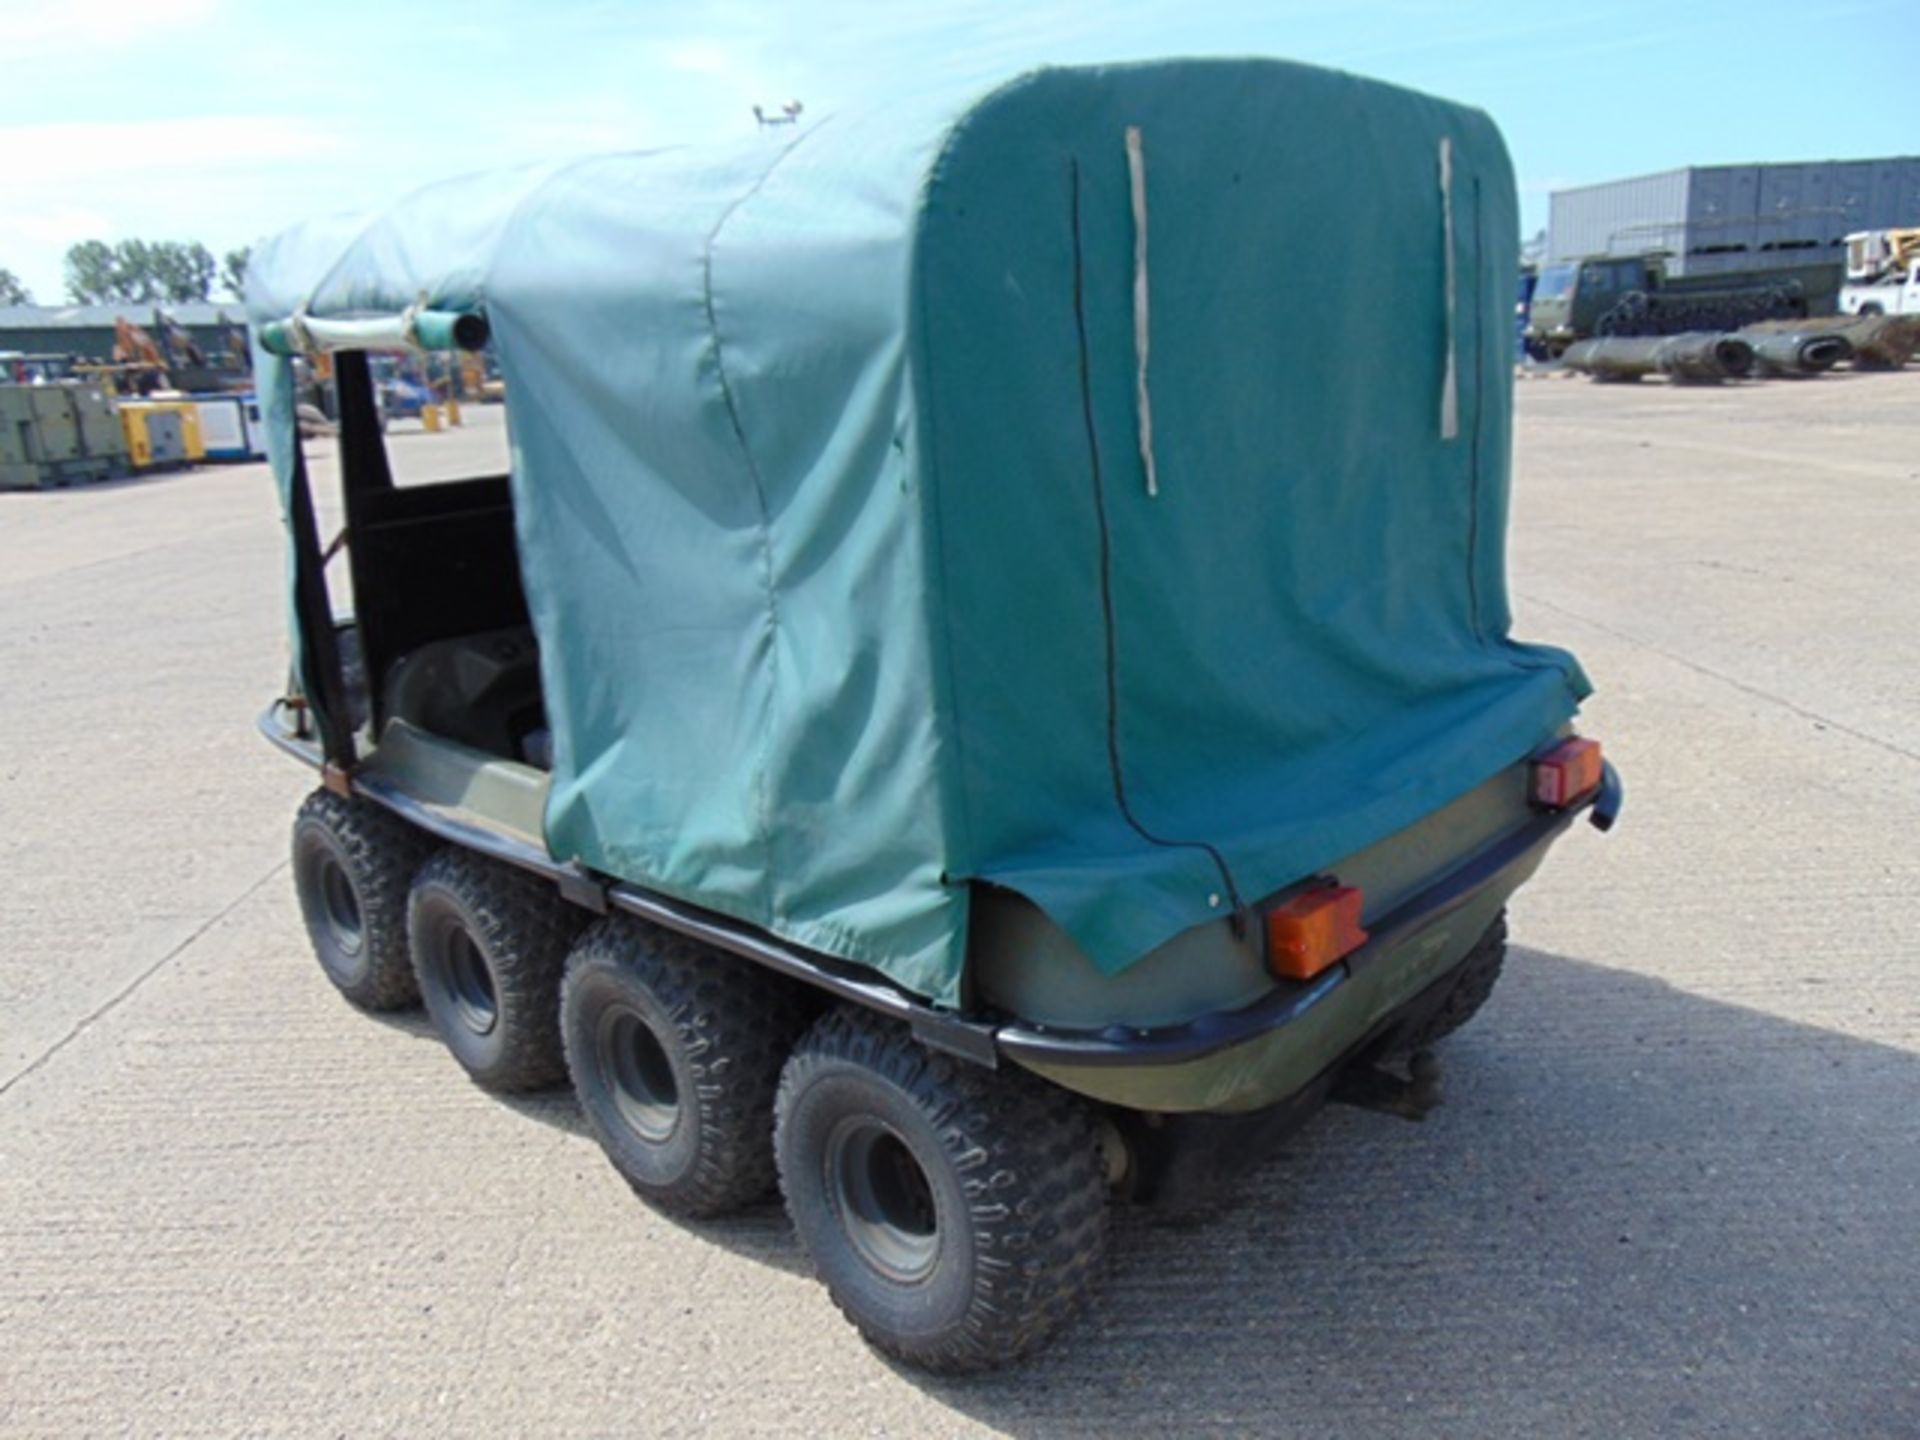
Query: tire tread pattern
point(1029, 1162)
point(1478, 973)
point(737, 1025)
point(383, 853)
point(526, 929)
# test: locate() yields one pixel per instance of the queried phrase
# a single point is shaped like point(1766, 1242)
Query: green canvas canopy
point(1094, 488)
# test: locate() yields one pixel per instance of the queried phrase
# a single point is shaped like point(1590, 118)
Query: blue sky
point(221, 120)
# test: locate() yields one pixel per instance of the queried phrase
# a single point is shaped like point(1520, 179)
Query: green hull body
point(1030, 968)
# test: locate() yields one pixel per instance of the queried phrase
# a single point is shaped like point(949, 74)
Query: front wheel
point(352, 864)
point(958, 1216)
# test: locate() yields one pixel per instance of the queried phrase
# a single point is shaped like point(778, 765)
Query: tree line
point(138, 272)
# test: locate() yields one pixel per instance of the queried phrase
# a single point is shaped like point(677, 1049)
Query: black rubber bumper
point(1207, 1035)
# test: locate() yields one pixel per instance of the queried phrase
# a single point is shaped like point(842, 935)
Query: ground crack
point(107, 1007)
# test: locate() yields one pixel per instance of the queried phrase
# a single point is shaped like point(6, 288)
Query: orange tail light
point(1312, 931)
point(1566, 772)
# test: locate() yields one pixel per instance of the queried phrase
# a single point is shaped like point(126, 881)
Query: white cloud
point(221, 179)
point(700, 57)
point(37, 33)
point(81, 152)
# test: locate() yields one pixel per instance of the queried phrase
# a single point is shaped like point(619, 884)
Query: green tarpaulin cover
point(816, 460)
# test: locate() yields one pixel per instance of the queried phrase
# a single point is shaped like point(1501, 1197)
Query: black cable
point(1238, 917)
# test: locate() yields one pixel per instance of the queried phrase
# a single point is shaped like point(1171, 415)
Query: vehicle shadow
point(1640, 1212)
point(760, 1233)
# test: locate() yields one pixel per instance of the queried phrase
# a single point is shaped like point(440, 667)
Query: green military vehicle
point(957, 711)
point(1612, 295)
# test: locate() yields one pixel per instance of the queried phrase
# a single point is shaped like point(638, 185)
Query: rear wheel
point(352, 864)
point(675, 1051)
point(958, 1216)
point(1473, 985)
point(489, 944)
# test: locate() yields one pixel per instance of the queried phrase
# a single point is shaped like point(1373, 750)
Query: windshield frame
point(1557, 281)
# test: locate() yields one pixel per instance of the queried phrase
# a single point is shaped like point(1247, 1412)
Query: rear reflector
point(1312, 931)
point(1566, 772)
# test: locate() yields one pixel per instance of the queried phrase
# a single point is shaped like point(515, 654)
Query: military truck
point(1614, 295)
point(953, 712)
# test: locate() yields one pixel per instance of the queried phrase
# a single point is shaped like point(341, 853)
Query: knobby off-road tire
point(1478, 974)
point(489, 946)
point(352, 865)
point(675, 1050)
point(957, 1215)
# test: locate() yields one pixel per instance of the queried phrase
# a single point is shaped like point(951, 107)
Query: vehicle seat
point(481, 690)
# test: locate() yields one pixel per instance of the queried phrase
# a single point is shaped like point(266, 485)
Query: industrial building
point(1718, 219)
point(86, 331)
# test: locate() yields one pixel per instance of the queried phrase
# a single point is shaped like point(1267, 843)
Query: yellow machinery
point(162, 432)
point(190, 433)
point(136, 413)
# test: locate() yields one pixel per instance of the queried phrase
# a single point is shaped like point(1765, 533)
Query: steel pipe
point(408, 330)
point(1798, 354)
point(1698, 357)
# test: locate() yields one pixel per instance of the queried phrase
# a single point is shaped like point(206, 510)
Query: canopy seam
point(762, 799)
point(1237, 915)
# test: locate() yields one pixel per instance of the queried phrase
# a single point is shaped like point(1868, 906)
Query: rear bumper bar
point(1210, 1034)
point(1606, 804)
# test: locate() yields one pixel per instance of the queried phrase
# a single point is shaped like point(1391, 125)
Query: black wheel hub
point(469, 982)
point(638, 1073)
point(340, 906)
point(883, 1198)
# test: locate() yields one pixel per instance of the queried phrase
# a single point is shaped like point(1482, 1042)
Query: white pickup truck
point(1883, 273)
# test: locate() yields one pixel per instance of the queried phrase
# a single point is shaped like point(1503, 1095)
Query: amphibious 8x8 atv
point(956, 715)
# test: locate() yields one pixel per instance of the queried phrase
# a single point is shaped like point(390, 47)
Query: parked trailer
point(226, 432)
point(897, 733)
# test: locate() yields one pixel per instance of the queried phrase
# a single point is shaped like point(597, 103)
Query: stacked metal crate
point(60, 434)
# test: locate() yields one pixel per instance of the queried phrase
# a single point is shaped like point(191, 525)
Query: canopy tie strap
point(298, 333)
point(1450, 380)
point(410, 322)
point(1137, 180)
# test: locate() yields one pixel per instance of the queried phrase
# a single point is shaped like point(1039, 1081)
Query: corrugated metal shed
point(1716, 218)
point(1623, 217)
point(88, 329)
point(84, 317)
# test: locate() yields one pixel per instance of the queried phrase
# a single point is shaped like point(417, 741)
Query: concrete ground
point(1675, 1189)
